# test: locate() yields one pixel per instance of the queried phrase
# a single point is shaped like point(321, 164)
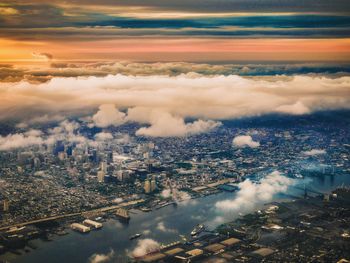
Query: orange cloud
point(196, 49)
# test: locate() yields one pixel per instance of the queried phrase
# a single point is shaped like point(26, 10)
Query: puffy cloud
point(103, 136)
point(64, 127)
point(20, 140)
point(46, 118)
point(314, 152)
point(178, 196)
point(145, 246)
point(245, 140)
point(102, 258)
point(161, 226)
point(163, 124)
point(297, 108)
point(46, 56)
point(251, 194)
point(66, 130)
point(33, 132)
point(108, 115)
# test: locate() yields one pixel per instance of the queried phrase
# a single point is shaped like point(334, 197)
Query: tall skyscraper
point(153, 184)
point(100, 176)
point(103, 167)
point(147, 186)
point(6, 205)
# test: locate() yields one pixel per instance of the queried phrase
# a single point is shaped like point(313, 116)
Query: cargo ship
point(164, 204)
point(198, 229)
point(146, 209)
point(135, 236)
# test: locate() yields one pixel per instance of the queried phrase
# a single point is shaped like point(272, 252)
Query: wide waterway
point(165, 225)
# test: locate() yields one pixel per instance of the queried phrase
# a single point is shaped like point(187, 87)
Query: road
point(99, 210)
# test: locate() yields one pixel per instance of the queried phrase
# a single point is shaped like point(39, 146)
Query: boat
point(198, 229)
point(135, 236)
point(161, 205)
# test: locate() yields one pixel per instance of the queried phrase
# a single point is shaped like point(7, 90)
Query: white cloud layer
point(164, 102)
point(245, 141)
point(102, 258)
point(297, 108)
point(66, 131)
point(161, 226)
point(163, 124)
point(108, 115)
point(19, 140)
point(41, 119)
point(103, 136)
point(252, 194)
point(145, 246)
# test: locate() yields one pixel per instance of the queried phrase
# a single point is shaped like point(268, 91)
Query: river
point(165, 225)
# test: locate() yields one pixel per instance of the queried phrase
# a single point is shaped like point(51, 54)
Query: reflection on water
point(164, 225)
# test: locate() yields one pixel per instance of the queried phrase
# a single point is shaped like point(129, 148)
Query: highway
point(97, 211)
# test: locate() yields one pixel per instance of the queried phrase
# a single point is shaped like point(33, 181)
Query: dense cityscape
point(115, 171)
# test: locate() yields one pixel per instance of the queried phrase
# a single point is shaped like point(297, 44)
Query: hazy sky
point(181, 30)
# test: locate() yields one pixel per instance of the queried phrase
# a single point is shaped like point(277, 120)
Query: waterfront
point(164, 225)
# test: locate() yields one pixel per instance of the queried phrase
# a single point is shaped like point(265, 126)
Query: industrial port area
point(312, 229)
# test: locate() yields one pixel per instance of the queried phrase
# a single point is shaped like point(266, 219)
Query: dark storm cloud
point(46, 16)
point(86, 19)
point(216, 5)
point(106, 27)
point(290, 21)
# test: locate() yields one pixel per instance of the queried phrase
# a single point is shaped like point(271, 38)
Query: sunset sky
point(182, 30)
point(164, 63)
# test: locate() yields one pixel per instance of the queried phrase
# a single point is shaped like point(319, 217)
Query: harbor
point(169, 226)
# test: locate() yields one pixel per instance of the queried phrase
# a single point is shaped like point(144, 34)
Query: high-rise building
point(151, 145)
point(69, 150)
point(146, 155)
point(103, 166)
point(109, 157)
point(93, 156)
point(58, 147)
point(6, 205)
point(153, 184)
point(20, 169)
point(100, 176)
point(119, 175)
point(36, 162)
point(147, 186)
point(62, 156)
